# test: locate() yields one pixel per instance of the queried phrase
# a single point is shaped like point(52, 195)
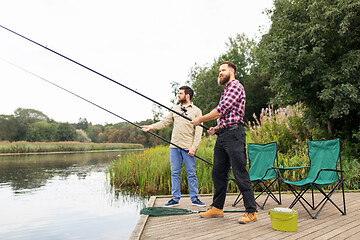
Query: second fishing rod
point(102, 75)
point(134, 124)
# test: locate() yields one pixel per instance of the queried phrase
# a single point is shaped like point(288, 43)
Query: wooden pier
point(330, 224)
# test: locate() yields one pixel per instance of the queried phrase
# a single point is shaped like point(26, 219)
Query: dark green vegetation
point(309, 56)
point(34, 126)
point(312, 55)
point(302, 81)
point(149, 171)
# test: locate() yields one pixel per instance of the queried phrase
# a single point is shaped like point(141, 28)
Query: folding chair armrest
point(289, 168)
point(329, 169)
point(278, 170)
point(326, 169)
point(292, 168)
point(272, 168)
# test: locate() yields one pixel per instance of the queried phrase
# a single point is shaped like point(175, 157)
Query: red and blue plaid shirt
point(231, 107)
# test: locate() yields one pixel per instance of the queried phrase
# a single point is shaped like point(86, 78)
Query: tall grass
point(150, 172)
point(144, 172)
point(29, 147)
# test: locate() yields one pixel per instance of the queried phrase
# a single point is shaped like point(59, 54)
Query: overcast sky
point(142, 44)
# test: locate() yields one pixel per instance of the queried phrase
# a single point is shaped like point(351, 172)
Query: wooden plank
point(330, 223)
point(143, 219)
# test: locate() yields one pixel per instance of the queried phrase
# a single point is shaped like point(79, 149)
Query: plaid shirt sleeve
point(231, 107)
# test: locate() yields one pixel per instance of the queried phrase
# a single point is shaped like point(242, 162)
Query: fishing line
point(102, 108)
point(182, 115)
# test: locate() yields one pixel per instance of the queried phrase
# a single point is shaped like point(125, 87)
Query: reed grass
point(150, 172)
point(33, 147)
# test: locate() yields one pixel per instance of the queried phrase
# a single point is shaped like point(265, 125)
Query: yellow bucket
point(283, 219)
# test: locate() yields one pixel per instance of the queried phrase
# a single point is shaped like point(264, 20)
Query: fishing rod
point(187, 118)
point(136, 125)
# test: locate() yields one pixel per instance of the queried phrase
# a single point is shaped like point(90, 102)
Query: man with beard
point(187, 136)
point(230, 147)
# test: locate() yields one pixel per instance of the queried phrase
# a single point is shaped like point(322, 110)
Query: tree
point(311, 54)
point(81, 136)
point(82, 124)
point(41, 131)
point(30, 115)
point(9, 129)
point(25, 117)
point(65, 132)
point(94, 131)
point(175, 90)
point(241, 52)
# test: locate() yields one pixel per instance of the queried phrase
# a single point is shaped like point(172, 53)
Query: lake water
point(64, 196)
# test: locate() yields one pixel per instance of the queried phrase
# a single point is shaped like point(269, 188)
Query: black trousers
point(230, 150)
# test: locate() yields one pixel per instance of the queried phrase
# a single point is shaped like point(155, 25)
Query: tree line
point(34, 126)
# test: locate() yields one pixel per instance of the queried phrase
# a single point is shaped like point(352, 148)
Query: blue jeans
point(177, 156)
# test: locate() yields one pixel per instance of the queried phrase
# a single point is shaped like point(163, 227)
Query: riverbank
point(69, 152)
point(56, 147)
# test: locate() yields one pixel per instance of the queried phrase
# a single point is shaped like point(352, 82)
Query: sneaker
point(248, 217)
point(198, 203)
point(171, 203)
point(212, 212)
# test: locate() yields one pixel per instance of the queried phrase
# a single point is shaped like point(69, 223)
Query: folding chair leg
point(269, 194)
point(298, 196)
point(312, 198)
point(279, 185)
point(328, 198)
point(237, 200)
point(343, 193)
point(265, 189)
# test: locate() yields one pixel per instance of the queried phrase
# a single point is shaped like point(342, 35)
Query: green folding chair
point(262, 159)
point(324, 171)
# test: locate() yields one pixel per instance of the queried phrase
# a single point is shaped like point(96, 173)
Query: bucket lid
point(283, 210)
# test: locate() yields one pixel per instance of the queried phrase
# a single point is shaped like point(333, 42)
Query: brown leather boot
point(212, 212)
point(248, 217)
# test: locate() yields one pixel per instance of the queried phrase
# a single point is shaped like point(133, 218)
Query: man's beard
point(182, 100)
point(223, 80)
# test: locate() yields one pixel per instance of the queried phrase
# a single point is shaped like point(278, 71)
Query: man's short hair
point(188, 90)
point(230, 64)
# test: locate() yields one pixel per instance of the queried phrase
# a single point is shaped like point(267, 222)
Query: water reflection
point(64, 196)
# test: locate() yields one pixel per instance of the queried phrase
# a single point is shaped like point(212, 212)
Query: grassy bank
point(31, 147)
point(149, 171)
